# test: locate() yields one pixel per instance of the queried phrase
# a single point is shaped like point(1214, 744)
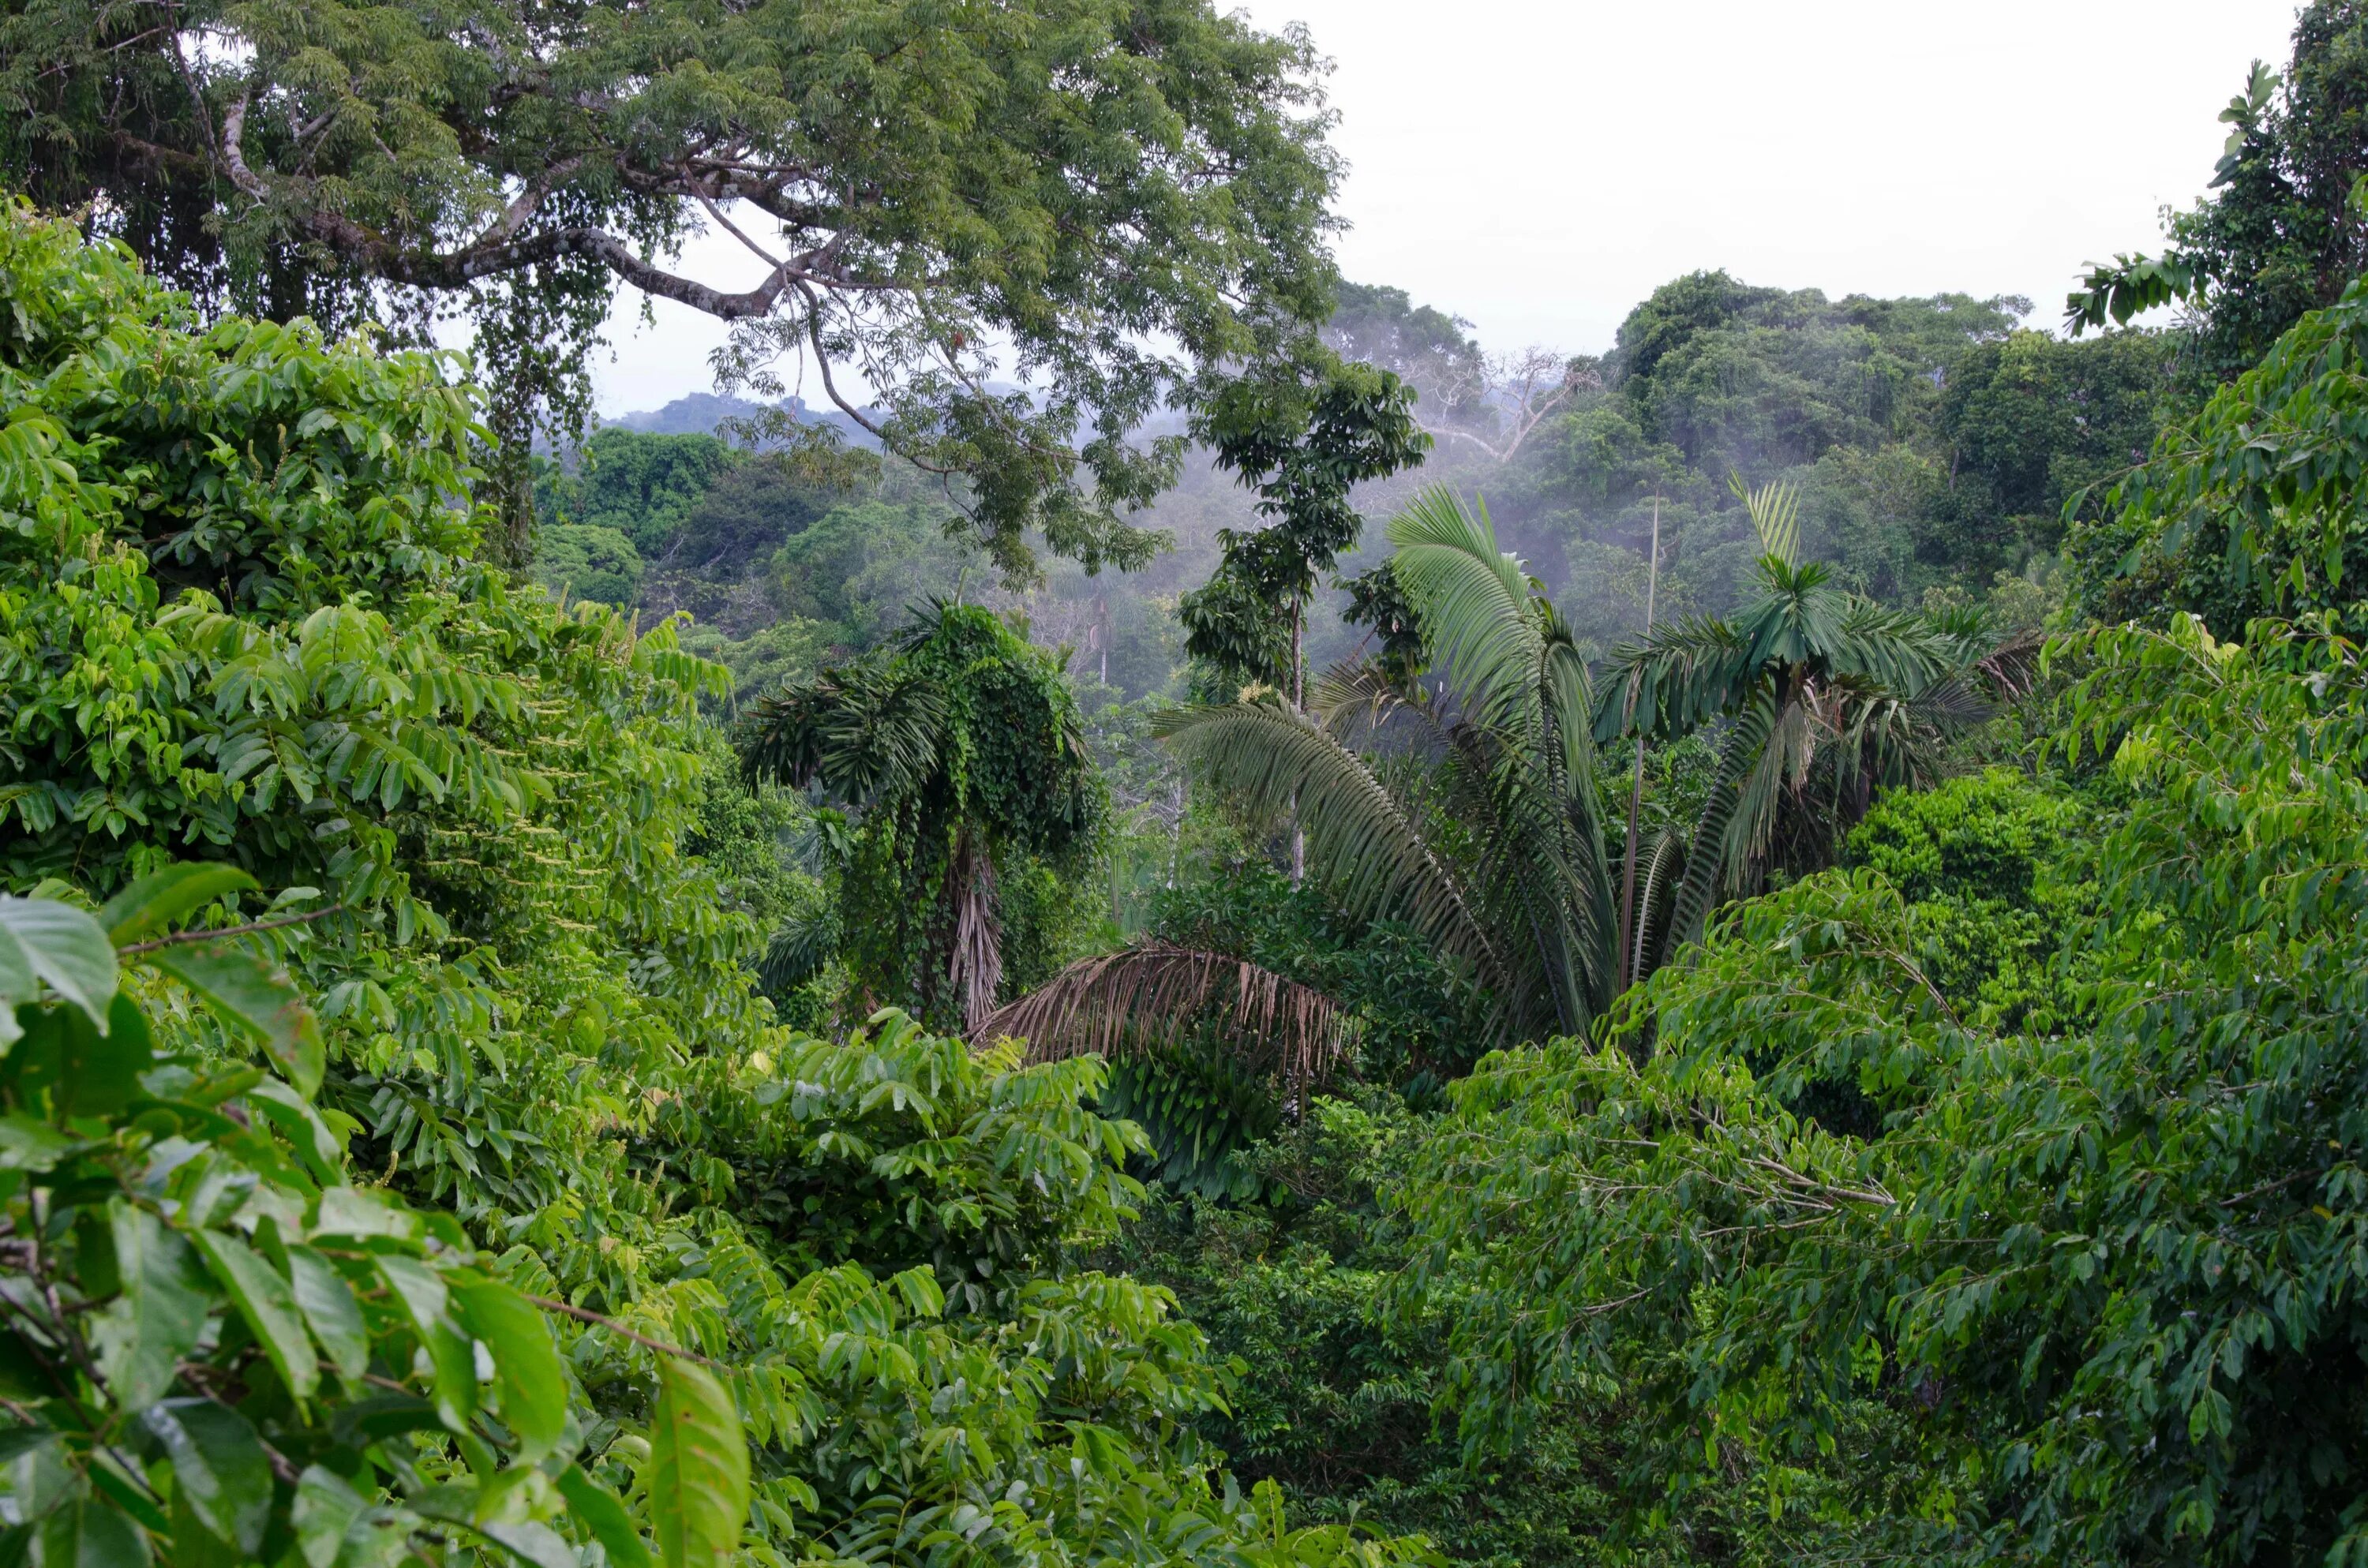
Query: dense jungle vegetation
point(1311, 945)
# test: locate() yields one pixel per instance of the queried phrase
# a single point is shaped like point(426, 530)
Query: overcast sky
point(1539, 166)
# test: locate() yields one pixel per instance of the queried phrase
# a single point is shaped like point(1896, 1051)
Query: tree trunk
point(1629, 920)
point(1299, 702)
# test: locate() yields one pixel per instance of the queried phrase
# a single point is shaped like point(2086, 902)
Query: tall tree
point(1303, 437)
point(1103, 196)
point(1492, 402)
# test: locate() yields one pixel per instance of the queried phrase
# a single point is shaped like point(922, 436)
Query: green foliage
point(1428, 349)
point(537, 1015)
point(1997, 874)
point(1302, 437)
point(1063, 182)
point(1933, 446)
point(2100, 1285)
point(1735, 376)
point(1413, 1011)
point(2031, 421)
point(1335, 1397)
point(2249, 508)
point(863, 569)
point(217, 1349)
point(643, 486)
point(576, 561)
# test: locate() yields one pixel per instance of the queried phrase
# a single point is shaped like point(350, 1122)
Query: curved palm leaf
point(1775, 509)
point(1274, 761)
point(1683, 676)
point(1479, 617)
point(1739, 755)
point(800, 950)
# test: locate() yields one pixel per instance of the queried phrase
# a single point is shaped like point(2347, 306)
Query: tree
point(2031, 422)
point(1303, 437)
point(1492, 402)
point(2280, 234)
point(926, 195)
point(1738, 376)
point(238, 620)
point(1818, 693)
point(961, 749)
point(643, 486)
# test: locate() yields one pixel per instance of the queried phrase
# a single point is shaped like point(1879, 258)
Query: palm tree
point(1819, 697)
point(1496, 849)
point(960, 751)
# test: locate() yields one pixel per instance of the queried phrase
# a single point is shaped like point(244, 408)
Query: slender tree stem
point(600, 1320)
point(1298, 702)
point(248, 930)
point(1630, 926)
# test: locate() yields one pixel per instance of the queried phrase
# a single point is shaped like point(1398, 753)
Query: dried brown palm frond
point(2012, 667)
point(1126, 1003)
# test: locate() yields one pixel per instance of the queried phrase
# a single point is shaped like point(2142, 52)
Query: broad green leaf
point(296, 1119)
point(195, 1545)
point(537, 1545)
point(149, 906)
point(53, 941)
point(219, 1466)
point(360, 1212)
point(143, 1333)
point(326, 1506)
point(26, 1144)
point(697, 1476)
point(526, 1373)
point(247, 992)
point(98, 1074)
point(425, 1299)
point(269, 1305)
point(380, 1416)
point(87, 1533)
point(597, 1510)
point(38, 1476)
point(19, 1440)
point(329, 1308)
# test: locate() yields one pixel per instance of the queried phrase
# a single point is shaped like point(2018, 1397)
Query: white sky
point(1540, 168)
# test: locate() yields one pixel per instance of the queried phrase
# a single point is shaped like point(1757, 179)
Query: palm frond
point(1358, 835)
point(799, 950)
point(1775, 509)
point(1356, 699)
point(1479, 617)
point(859, 729)
point(2011, 664)
point(1685, 673)
point(1127, 1002)
point(1777, 777)
point(1740, 750)
point(1663, 865)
